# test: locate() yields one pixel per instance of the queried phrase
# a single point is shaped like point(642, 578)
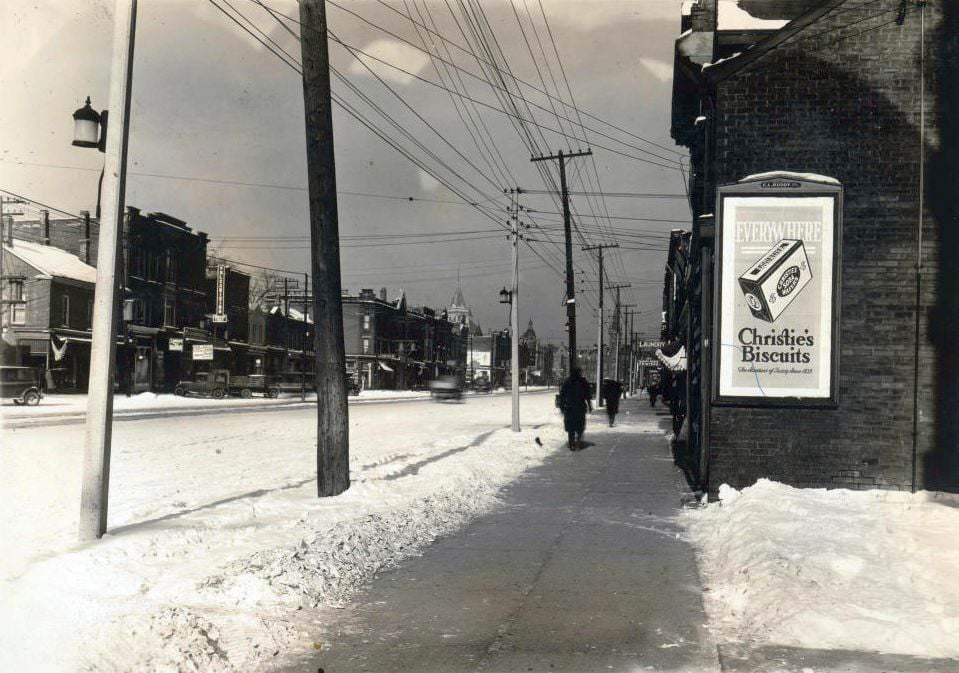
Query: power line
point(499, 72)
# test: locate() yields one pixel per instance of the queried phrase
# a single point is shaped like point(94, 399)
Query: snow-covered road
point(210, 501)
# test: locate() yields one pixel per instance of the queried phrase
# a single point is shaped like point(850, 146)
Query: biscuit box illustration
point(776, 279)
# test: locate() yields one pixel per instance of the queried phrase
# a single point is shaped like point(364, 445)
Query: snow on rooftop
point(733, 17)
point(789, 175)
point(53, 261)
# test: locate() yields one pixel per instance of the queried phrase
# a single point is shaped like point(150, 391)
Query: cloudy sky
point(212, 107)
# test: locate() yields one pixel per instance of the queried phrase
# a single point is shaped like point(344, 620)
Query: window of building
point(366, 345)
point(170, 267)
point(169, 312)
point(138, 263)
point(89, 311)
point(366, 321)
point(18, 305)
point(65, 310)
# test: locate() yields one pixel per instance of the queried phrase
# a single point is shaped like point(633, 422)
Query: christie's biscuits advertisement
point(776, 297)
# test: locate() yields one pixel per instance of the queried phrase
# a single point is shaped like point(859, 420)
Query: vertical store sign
point(777, 328)
point(220, 314)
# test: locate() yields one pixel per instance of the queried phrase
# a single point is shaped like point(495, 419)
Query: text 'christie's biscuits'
point(776, 279)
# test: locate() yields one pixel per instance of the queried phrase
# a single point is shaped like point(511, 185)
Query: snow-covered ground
point(837, 569)
point(70, 405)
point(217, 540)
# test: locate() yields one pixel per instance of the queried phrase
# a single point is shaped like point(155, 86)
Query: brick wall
point(845, 107)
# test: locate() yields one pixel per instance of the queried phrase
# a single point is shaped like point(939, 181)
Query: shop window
point(366, 345)
point(65, 310)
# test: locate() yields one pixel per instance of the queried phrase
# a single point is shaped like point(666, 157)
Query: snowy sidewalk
point(582, 569)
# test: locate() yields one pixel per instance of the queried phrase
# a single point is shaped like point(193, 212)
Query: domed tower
point(528, 337)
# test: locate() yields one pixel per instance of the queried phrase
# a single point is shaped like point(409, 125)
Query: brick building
point(862, 93)
point(47, 312)
point(389, 345)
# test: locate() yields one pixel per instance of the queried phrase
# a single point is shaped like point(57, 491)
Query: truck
point(219, 383)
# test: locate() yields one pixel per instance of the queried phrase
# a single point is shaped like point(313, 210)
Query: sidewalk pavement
point(581, 569)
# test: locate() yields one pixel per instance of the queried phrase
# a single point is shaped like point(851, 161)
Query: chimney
point(383, 293)
point(85, 214)
point(45, 219)
point(703, 16)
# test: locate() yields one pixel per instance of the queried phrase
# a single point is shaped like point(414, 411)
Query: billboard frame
point(783, 186)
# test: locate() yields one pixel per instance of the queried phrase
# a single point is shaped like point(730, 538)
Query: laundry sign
point(776, 328)
point(202, 351)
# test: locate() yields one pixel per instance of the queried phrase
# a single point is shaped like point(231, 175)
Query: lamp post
point(90, 130)
point(97, 440)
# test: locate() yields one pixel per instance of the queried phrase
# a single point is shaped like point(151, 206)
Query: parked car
point(446, 388)
point(21, 384)
point(219, 383)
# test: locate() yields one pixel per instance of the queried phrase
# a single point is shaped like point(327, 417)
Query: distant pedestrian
point(612, 390)
point(653, 390)
point(574, 402)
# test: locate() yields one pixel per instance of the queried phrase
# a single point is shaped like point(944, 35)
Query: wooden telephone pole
point(332, 431)
point(599, 340)
point(567, 227)
point(98, 435)
point(615, 325)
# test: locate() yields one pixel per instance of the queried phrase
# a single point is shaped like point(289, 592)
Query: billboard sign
point(776, 329)
point(176, 344)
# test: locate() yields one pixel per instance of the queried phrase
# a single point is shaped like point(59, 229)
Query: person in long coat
point(575, 402)
point(612, 390)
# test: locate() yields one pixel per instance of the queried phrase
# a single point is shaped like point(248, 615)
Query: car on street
point(219, 383)
point(482, 385)
point(446, 388)
point(21, 384)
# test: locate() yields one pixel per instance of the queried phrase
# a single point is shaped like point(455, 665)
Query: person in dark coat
point(575, 402)
point(612, 391)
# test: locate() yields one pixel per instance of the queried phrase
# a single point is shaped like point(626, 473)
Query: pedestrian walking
point(653, 394)
point(574, 401)
point(612, 391)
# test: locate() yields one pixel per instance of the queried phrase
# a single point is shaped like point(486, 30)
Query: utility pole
point(95, 488)
point(599, 340)
point(306, 329)
point(567, 230)
point(332, 433)
point(514, 311)
point(625, 339)
point(632, 350)
point(614, 327)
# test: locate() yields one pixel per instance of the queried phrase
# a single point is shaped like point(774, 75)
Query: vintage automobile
point(21, 384)
point(482, 385)
point(446, 388)
point(219, 383)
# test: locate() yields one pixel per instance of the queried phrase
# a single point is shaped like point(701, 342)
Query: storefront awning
point(676, 362)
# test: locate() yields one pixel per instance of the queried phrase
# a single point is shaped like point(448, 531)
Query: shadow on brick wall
point(940, 468)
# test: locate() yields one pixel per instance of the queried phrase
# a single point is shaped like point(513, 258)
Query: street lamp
point(90, 130)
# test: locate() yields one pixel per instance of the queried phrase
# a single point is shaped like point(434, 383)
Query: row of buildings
point(813, 296)
point(185, 311)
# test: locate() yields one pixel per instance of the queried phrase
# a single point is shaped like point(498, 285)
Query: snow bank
point(217, 541)
point(831, 569)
